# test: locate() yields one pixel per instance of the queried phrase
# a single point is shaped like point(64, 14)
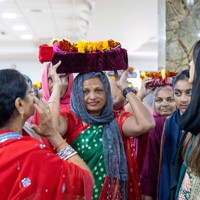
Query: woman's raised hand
point(144, 91)
point(45, 127)
point(60, 81)
point(122, 80)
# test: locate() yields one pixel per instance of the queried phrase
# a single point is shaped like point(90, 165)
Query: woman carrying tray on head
point(99, 135)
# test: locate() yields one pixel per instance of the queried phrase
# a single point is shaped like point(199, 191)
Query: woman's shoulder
point(69, 115)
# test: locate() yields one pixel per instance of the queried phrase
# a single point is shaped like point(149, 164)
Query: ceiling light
point(26, 37)
point(9, 15)
point(19, 27)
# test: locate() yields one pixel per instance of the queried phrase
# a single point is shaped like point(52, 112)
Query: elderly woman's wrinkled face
point(182, 94)
point(164, 102)
point(94, 96)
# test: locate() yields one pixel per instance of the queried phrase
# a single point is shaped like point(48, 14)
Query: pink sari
point(65, 101)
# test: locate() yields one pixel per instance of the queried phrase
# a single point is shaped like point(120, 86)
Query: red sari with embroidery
point(30, 171)
point(76, 128)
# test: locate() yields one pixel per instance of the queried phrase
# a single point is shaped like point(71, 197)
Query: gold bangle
point(53, 101)
point(55, 148)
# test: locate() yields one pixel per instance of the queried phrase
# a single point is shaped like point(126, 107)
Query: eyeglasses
point(34, 91)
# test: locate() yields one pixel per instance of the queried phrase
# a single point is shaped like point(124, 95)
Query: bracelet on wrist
point(64, 141)
point(125, 91)
point(66, 153)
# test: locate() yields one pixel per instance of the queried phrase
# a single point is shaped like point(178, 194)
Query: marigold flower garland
point(158, 75)
point(84, 46)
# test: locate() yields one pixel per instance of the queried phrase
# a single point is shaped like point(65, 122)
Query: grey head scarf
point(114, 154)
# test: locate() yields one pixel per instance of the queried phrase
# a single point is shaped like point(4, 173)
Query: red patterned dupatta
point(29, 170)
point(134, 190)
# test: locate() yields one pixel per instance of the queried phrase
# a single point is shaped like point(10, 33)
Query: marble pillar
point(161, 34)
point(182, 31)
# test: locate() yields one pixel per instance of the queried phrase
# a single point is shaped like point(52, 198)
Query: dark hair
point(190, 120)
point(181, 76)
point(12, 85)
point(192, 159)
point(195, 51)
point(28, 80)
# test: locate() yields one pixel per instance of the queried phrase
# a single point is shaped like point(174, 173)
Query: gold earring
point(22, 115)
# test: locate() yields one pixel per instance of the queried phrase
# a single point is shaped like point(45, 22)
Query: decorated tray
point(160, 78)
point(85, 56)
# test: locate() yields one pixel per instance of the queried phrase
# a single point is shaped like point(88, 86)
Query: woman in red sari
point(100, 136)
point(28, 169)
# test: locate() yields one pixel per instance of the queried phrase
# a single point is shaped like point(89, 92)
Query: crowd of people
point(94, 137)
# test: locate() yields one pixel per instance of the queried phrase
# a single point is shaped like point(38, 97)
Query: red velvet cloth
point(76, 127)
point(109, 60)
point(47, 176)
point(45, 53)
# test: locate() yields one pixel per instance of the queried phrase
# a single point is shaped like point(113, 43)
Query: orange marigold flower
point(100, 46)
point(131, 69)
point(158, 75)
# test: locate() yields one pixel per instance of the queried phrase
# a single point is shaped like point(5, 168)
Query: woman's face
point(182, 94)
point(192, 69)
point(29, 108)
point(164, 102)
point(94, 96)
point(64, 80)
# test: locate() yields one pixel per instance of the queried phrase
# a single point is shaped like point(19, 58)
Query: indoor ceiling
point(133, 23)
